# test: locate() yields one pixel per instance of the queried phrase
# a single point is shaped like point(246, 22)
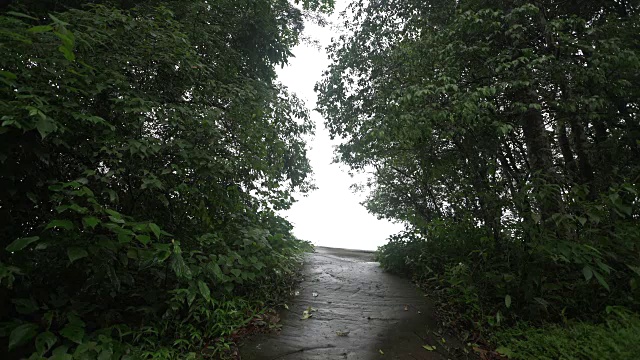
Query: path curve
point(361, 313)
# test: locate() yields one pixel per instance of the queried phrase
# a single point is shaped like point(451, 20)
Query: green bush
point(144, 153)
point(617, 339)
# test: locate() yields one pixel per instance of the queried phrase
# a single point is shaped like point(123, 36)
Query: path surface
point(386, 317)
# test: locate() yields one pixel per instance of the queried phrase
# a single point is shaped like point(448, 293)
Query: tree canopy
point(506, 135)
point(145, 147)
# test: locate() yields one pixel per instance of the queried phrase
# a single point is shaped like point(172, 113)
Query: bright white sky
point(332, 215)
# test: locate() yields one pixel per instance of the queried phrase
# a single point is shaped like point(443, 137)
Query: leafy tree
point(144, 149)
point(506, 135)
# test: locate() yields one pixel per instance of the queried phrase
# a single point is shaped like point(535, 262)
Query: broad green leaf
point(116, 220)
point(21, 243)
point(61, 353)
point(144, 239)
point(236, 272)
point(25, 306)
point(44, 125)
point(587, 272)
point(155, 229)
point(75, 253)
point(507, 301)
point(429, 347)
point(90, 221)
point(204, 290)
point(217, 271)
point(45, 341)
point(113, 213)
point(21, 335)
point(179, 267)
point(61, 224)
point(73, 332)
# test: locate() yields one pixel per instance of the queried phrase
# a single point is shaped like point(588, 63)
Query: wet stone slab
point(359, 312)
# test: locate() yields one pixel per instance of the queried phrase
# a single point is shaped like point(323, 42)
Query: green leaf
point(156, 229)
point(67, 41)
point(179, 267)
point(8, 74)
point(635, 269)
point(18, 14)
point(217, 271)
point(21, 335)
point(40, 29)
point(62, 224)
point(44, 125)
point(502, 350)
point(76, 253)
point(536, 217)
point(113, 213)
point(68, 54)
point(25, 306)
point(601, 280)
point(73, 332)
point(106, 354)
point(45, 341)
point(236, 272)
point(90, 221)
point(21, 243)
point(61, 353)
point(144, 239)
point(116, 220)
point(587, 272)
point(429, 347)
point(204, 290)
point(507, 301)
point(58, 21)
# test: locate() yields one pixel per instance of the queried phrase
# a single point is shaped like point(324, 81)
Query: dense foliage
point(506, 135)
point(145, 148)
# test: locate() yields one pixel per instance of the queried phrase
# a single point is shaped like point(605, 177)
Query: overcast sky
point(332, 215)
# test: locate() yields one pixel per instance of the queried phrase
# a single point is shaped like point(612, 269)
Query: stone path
point(359, 312)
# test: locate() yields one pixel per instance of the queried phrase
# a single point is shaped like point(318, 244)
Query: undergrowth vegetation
point(145, 149)
point(505, 134)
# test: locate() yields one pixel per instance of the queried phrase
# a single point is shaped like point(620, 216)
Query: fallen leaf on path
point(429, 347)
point(315, 294)
point(342, 333)
point(286, 306)
point(406, 308)
point(381, 352)
point(308, 313)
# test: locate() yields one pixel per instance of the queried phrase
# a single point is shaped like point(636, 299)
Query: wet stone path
point(358, 312)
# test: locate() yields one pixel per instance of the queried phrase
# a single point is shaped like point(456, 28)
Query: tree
point(505, 135)
point(144, 149)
